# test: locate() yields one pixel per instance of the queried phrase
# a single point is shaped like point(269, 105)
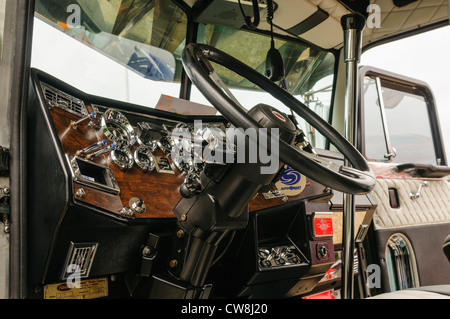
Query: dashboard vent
point(79, 259)
point(355, 263)
point(57, 98)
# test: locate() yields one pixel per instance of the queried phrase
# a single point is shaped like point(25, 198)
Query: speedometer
point(117, 128)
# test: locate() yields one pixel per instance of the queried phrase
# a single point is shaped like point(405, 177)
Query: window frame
point(405, 84)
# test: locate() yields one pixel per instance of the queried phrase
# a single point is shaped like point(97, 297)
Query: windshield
point(131, 51)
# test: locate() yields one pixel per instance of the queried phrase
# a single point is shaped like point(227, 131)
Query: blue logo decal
point(290, 177)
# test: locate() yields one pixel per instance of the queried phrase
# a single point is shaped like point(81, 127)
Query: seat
point(425, 292)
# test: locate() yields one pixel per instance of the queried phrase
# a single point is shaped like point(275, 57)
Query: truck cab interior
point(219, 149)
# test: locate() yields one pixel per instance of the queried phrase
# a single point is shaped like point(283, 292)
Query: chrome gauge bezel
point(183, 162)
point(117, 118)
point(144, 151)
point(181, 129)
point(122, 164)
point(166, 144)
point(151, 145)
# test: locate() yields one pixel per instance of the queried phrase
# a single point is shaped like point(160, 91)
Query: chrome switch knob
point(192, 186)
point(89, 117)
point(137, 205)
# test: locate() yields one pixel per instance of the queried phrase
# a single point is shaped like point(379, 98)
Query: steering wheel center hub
point(269, 117)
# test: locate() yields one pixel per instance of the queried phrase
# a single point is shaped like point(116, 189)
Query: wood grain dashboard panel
point(159, 191)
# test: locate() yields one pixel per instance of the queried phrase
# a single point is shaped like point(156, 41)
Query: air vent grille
point(355, 264)
point(79, 259)
point(57, 98)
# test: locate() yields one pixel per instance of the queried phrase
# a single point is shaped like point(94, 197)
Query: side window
point(399, 123)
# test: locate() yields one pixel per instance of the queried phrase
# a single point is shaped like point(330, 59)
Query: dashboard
point(123, 162)
point(111, 176)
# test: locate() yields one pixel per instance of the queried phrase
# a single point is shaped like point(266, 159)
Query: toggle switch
point(89, 117)
point(91, 148)
point(105, 150)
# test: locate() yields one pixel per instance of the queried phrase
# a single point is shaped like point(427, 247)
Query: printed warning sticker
point(87, 289)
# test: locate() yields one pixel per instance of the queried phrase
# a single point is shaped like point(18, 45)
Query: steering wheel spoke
point(216, 78)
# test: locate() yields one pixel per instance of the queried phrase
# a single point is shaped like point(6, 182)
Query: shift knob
point(353, 21)
point(353, 24)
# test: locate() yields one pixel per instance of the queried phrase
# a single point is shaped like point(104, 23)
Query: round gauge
point(183, 162)
point(182, 137)
point(117, 128)
point(166, 144)
point(148, 134)
point(151, 145)
point(144, 158)
point(123, 158)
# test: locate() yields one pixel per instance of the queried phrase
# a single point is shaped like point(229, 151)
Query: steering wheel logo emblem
point(278, 115)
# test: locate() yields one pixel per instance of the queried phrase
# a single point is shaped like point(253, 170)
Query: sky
point(424, 57)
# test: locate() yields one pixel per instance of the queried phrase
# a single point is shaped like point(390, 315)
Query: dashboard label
point(89, 289)
point(323, 227)
point(291, 183)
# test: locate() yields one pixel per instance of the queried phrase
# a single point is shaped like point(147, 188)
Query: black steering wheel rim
point(358, 179)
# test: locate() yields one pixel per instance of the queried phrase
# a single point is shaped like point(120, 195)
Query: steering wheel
point(357, 179)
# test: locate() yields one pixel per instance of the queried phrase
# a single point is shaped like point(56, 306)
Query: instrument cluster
point(131, 145)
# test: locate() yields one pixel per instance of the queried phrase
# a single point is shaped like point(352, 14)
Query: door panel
point(432, 206)
point(424, 221)
point(401, 138)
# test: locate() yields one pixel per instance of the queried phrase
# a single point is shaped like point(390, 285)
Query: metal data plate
point(89, 289)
